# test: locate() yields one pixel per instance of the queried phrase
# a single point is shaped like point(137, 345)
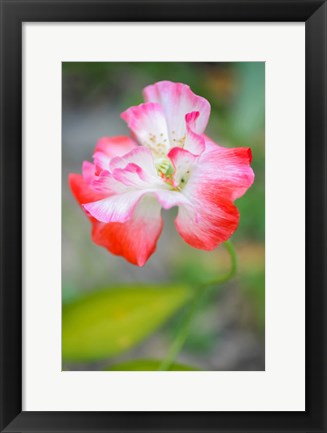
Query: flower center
point(167, 172)
point(164, 167)
point(160, 146)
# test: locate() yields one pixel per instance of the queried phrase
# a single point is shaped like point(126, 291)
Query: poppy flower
point(169, 162)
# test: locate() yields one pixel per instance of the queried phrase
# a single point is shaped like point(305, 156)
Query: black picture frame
point(16, 12)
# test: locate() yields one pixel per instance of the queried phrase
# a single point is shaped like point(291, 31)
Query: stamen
point(157, 146)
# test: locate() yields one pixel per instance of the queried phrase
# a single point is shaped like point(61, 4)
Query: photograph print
point(163, 216)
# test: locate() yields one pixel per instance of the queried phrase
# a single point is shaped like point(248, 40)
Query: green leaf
point(112, 321)
point(147, 365)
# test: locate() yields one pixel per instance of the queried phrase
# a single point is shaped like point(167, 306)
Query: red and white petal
point(89, 171)
point(183, 162)
point(195, 143)
point(82, 190)
point(133, 176)
point(177, 100)
point(101, 161)
point(211, 145)
point(228, 168)
point(106, 183)
point(219, 177)
point(168, 198)
point(147, 122)
point(135, 239)
point(142, 157)
point(120, 207)
point(208, 222)
point(108, 148)
point(115, 146)
point(116, 208)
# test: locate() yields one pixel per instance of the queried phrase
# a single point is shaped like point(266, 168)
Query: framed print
point(163, 216)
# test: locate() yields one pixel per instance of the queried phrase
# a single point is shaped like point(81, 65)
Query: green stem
point(185, 327)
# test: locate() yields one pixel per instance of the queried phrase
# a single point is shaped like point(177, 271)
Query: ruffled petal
point(183, 162)
point(228, 168)
point(120, 207)
point(142, 157)
point(195, 143)
point(148, 124)
point(219, 177)
point(106, 183)
point(137, 168)
point(207, 223)
point(168, 198)
point(82, 191)
point(115, 146)
point(135, 239)
point(89, 171)
point(132, 175)
point(116, 208)
point(110, 147)
point(177, 100)
point(101, 161)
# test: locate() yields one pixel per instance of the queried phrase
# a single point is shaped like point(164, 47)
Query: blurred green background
point(228, 332)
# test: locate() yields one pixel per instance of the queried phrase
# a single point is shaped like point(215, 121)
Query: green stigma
point(164, 167)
